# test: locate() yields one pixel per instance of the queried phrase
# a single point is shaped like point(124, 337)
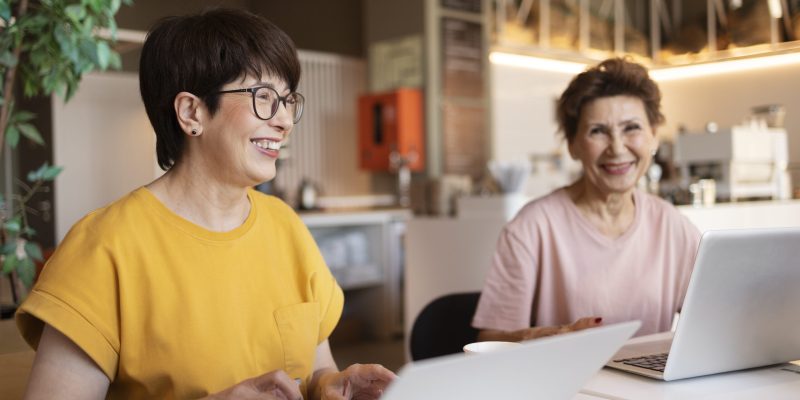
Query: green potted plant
point(45, 48)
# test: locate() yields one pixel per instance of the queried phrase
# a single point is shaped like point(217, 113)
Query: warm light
point(775, 9)
point(658, 74)
point(542, 64)
point(721, 67)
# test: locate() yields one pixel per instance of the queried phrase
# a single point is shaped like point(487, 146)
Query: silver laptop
point(549, 368)
point(742, 309)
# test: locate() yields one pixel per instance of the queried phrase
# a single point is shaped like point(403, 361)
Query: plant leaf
point(12, 136)
point(9, 248)
point(23, 116)
point(96, 5)
point(36, 175)
point(75, 12)
point(115, 61)
point(62, 38)
point(9, 263)
point(34, 251)
point(30, 132)
point(5, 10)
point(103, 54)
point(26, 270)
point(114, 6)
point(13, 226)
point(8, 59)
point(51, 173)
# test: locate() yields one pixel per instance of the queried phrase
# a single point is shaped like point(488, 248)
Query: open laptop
point(549, 368)
point(742, 309)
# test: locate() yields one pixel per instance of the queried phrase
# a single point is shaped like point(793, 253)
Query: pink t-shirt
point(552, 266)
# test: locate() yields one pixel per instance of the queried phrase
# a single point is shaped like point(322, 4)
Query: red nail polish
point(598, 320)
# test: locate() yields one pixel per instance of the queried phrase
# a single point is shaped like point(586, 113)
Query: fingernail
point(598, 320)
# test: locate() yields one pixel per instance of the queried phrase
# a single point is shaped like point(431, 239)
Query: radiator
point(323, 146)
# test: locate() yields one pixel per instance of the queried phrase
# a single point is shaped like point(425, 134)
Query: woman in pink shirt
point(597, 251)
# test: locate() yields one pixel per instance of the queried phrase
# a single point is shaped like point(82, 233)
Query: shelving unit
point(364, 250)
point(657, 32)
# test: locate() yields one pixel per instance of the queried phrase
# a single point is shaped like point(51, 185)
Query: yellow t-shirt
point(168, 309)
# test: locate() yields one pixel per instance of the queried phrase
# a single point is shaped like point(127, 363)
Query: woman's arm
point(61, 370)
point(324, 366)
point(537, 331)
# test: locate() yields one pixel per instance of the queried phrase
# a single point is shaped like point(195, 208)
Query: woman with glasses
point(195, 285)
point(599, 250)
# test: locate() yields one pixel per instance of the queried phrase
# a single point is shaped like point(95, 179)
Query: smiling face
point(614, 142)
point(238, 147)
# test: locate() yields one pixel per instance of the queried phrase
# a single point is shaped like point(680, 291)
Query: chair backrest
point(444, 326)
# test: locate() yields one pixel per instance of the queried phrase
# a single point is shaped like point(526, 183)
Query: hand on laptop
point(542, 331)
point(358, 381)
point(273, 385)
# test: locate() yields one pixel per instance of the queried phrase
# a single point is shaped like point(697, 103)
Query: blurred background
point(428, 123)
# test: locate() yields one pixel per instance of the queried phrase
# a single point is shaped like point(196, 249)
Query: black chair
point(443, 327)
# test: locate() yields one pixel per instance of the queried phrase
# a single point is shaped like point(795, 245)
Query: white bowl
point(487, 347)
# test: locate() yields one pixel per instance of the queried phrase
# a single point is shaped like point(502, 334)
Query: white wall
point(523, 123)
point(105, 143)
point(727, 99)
point(523, 106)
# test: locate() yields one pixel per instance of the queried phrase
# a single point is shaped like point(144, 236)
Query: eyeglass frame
point(281, 99)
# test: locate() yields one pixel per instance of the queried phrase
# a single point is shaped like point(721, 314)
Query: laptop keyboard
point(656, 362)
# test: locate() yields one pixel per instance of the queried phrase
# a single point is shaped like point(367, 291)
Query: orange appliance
point(389, 123)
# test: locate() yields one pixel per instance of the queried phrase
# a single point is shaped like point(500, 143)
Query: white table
point(774, 382)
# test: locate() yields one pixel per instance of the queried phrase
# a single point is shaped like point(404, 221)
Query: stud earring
point(194, 131)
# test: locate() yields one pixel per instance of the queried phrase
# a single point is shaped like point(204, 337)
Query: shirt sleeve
point(507, 295)
point(77, 295)
point(331, 305)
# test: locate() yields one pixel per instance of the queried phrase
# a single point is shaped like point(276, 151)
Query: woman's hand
point(357, 382)
point(543, 331)
point(275, 385)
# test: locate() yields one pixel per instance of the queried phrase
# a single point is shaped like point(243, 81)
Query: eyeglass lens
point(267, 103)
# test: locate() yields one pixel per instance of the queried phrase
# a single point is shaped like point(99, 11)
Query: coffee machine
point(745, 161)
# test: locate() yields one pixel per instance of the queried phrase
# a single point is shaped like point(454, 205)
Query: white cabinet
point(364, 251)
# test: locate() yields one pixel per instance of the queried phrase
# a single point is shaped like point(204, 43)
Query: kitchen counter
point(750, 214)
point(332, 217)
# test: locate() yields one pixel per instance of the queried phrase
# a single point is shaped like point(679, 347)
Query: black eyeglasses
point(266, 102)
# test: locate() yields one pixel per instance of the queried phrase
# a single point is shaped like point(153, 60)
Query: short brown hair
point(201, 53)
point(612, 77)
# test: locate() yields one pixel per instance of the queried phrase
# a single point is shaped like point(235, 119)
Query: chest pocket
point(298, 325)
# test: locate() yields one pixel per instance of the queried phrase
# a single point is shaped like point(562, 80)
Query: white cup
point(488, 347)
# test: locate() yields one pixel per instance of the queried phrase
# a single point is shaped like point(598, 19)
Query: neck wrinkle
point(198, 198)
point(612, 213)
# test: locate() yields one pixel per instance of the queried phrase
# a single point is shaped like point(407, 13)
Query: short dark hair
point(612, 77)
point(199, 54)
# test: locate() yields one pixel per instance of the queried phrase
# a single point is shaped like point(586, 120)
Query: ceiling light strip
point(658, 74)
point(723, 67)
point(537, 63)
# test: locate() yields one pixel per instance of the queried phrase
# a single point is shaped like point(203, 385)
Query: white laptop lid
point(549, 368)
point(742, 307)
